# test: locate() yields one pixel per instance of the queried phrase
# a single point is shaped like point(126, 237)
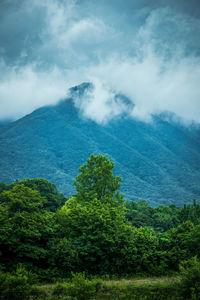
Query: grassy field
point(142, 281)
point(133, 289)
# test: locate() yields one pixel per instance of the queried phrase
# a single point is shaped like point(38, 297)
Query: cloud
point(152, 85)
point(149, 53)
point(42, 76)
point(161, 77)
point(24, 89)
point(99, 103)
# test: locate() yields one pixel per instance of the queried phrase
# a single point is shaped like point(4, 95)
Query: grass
point(159, 288)
point(144, 288)
point(142, 281)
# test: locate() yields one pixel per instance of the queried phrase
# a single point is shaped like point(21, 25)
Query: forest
point(77, 243)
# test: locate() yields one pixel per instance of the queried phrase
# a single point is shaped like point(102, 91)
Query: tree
point(184, 243)
point(16, 285)
point(48, 190)
point(191, 213)
point(3, 187)
point(100, 234)
point(94, 223)
point(24, 227)
point(98, 181)
point(139, 214)
point(165, 218)
point(190, 281)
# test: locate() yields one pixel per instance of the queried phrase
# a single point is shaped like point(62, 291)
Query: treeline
point(95, 231)
point(161, 218)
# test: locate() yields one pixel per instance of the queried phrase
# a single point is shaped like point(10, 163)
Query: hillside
point(158, 161)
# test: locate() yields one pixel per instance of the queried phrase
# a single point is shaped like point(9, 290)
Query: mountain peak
point(158, 162)
point(81, 89)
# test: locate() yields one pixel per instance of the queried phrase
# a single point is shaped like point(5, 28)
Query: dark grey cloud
point(147, 49)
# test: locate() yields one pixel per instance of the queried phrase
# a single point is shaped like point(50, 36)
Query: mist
point(148, 51)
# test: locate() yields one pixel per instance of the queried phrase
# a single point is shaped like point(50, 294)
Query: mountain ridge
point(158, 161)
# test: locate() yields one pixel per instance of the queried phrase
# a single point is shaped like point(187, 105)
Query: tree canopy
point(96, 180)
point(95, 230)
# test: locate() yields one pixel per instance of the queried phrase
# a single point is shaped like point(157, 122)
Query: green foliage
point(165, 217)
point(92, 223)
point(144, 291)
point(24, 227)
point(18, 198)
point(48, 190)
point(3, 187)
point(94, 231)
point(190, 283)
point(80, 287)
point(161, 218)
point(139, 214)
point(83, 288)
point(62, 256)
point(146, 243)
point(99, 233)
point(16, 285)
point(184, 243)
point(60, 289)
point(191, 213)
point(97, 180)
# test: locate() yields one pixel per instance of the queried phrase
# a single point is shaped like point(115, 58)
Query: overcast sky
point(148, 50)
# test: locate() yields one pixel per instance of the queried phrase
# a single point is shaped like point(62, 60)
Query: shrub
point(16, 285)
point(83, 288)
point(60, 289)
point(190, 283)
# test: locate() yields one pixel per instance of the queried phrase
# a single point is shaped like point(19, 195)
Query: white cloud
point(160, 78)
point(25, 89)
point(100, 104)
point(69, 35)
point(160, 72)
point(151, 89)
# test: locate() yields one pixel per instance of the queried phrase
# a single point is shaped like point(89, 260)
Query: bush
point(190, 283)
point(48, 275)
point(60, 289)
point(83, 288)
point(16, 285)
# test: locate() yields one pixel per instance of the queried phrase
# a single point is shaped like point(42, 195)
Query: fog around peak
point(149, 51)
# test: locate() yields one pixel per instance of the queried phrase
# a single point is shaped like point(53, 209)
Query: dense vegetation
point(95, 231)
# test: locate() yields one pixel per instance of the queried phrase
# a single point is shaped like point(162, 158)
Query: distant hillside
point(159, 162)
point(4, 124)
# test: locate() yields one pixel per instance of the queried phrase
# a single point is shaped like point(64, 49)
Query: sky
point(147, 50)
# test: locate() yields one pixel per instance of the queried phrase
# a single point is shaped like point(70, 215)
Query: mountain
point(4, 124)
point(158, 161)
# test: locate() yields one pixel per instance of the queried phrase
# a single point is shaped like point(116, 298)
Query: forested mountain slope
point(158, 161)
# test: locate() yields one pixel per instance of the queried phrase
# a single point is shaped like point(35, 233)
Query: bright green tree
point(184, 243)
point(94, 220)
point(100, 234)
point(47, 190)
point(24, 227)
point(96, 180)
